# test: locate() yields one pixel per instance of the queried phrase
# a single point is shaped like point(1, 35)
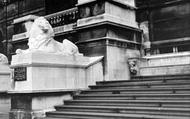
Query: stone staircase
point(148, 97)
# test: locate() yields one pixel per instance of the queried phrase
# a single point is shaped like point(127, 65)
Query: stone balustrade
point(63, 18)
point(60, 21)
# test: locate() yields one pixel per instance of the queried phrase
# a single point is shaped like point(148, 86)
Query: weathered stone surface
point(5, 105)
point(116, 54)
point(104, 18)
point(100, 11)
point(29, 105)
point(20, 114)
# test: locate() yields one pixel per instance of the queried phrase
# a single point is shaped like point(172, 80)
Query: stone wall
point(165, 64)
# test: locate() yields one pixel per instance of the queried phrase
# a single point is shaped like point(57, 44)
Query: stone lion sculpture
point(3, 59)
point(41, 38)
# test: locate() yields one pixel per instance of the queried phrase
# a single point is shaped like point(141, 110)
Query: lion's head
point(40, 31)
point(41, 27)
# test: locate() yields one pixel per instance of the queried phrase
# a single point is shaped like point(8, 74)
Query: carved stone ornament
point(41, 39)
point(133, 67)
point(3, 59)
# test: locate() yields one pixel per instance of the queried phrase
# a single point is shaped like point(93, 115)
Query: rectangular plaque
point(20, 74)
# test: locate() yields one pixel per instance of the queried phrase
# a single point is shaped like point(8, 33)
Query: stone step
point(4, 115)
point(156, 77)
point(138, 90)
point(126, 110)
point(144, 81)
point(136, 103)
point(171, 84)
point(68, 117)
point(93, 115)
point(147, 97)
point(53, 118)
point(49, 118)
point(128, 82)
point(133, 96)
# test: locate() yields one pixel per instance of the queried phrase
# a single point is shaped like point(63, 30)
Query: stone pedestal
point(42, 71)
point(43, 80)
point(109, 28)
point(32, 104)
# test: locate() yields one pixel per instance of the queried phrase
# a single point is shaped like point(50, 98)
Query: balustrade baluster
point(54, 21)
point(57, 20)
point(63, 20)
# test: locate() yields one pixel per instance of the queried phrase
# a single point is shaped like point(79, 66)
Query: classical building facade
point(119, 39)
point(167, 21)
point(13, 9)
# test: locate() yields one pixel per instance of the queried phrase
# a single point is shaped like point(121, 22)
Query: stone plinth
point(165, 64)
point(54, 71)
point(50, 79)
point(5, 104)
point(32, 104)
